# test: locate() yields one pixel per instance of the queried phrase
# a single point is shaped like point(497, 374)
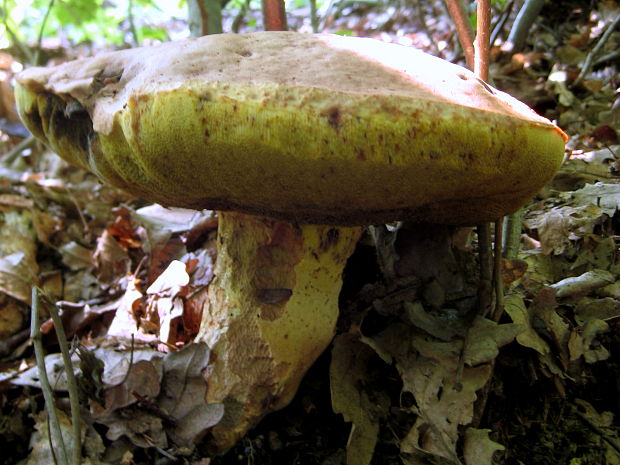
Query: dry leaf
point(478, 449)
point(347, 373)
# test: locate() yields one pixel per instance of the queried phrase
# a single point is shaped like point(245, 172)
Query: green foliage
point(81, 21)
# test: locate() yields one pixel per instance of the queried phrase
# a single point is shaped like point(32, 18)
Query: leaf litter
point(537, 387)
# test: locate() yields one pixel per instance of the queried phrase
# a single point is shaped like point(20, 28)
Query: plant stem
point(314, 19)
point(54, 423)
point(585, 69)
point(521, 27)
point(274, 15)
point(72, 387)
point(27, 54)
point(463, 29)
point(512, 235)
point(482, 42)
point(37, 53)
point(497, 270)
point(132, 24)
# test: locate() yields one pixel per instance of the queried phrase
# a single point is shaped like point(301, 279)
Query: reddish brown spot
point(334, 117)
point(273, 296)
point(361, 155)
point(469, 156)
point(330, 239)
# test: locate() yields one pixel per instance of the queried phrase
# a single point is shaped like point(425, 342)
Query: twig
point(421, 19)
point(54, 424)
point(609, 440)
point(481, 69)
point(274, 15)
point(243, 9)
point(22, 48)
point(585, 69)
point(37, 53)
point(523, 22)
point(7, 345)
point(132, 24)
point(607, 57)
point(12, 154)
point(485, 287)
point(497, 30)
point(314, 19)
point(463, 29)
point(72, 387)
point(512, 235)
point(482, 44)
point(497, 270)
point(130, 360)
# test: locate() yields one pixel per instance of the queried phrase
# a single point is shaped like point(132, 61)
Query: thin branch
point(585, 69)
point(463, 29)
point(72, 386)
point(422, 20)
point(481, 69)
point(54, 423)
point(314, 19)
point(485, 288)
point(612, 441)
point(523, 22)
point(497, 29)
point(512, 235)
point(37, 53)
point(482, 42)
point(243, 10)
point(274, 15)
point(132, 24)
point(497, 270)
point(12, 154)
point(14, 39)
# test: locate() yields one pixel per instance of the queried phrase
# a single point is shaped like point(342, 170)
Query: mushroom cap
point(310, 128)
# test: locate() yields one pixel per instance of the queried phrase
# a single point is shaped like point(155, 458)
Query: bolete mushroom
point(297, 140)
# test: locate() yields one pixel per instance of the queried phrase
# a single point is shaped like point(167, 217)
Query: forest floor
point(546, 389)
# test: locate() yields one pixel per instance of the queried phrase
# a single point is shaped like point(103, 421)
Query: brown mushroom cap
point(313, 128)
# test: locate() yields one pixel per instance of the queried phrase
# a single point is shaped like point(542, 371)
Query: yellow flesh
point(272, 310)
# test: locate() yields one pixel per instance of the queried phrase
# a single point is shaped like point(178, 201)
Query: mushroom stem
point(271, 311)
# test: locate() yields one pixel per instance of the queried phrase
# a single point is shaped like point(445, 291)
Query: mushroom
point(297, 140)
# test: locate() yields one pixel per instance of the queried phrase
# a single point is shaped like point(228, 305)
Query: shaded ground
point(553, 383)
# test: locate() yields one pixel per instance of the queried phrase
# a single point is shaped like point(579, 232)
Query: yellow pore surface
point(314, 128)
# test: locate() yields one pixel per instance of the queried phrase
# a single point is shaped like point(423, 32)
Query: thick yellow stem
point(272, 310)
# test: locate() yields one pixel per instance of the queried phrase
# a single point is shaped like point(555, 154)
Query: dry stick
point(54, 424)
point(481, 69)
point(422, 19)
point(72, 387)
point(12, 154)
point(274, 15)
point(25, 51)
point(497, 30)
point(40, 38)
point(485, 289)
point(314, 19)
point(597, 48)
point(482, 44)
point(132, 24)
point(463, 29)
point(523, 22)
point(613, 442)
point(497, 270)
